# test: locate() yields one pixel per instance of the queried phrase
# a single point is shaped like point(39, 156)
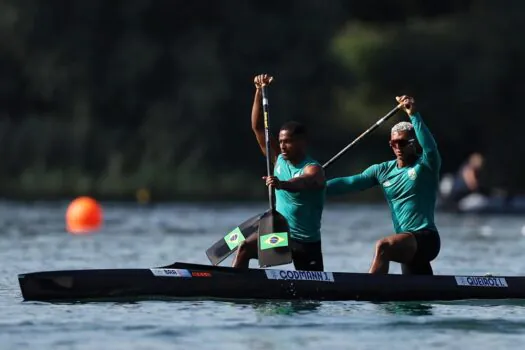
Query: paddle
point(224, 247)
point(273, 230)
point(366, 132)
point(221, 249)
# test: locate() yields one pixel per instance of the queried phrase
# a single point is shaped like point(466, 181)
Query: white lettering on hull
point(291, 275)
point(170, 272)
point(479, 281)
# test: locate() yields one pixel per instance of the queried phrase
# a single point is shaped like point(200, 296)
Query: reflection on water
point(280, 307)
point(406, 308)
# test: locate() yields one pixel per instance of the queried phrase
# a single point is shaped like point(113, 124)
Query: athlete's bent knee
point(383, 248)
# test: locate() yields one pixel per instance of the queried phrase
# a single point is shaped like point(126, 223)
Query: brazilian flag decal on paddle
point(234, 238)
point(274, 240)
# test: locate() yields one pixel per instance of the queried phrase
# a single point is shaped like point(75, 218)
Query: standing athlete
point(300, 188)
point(410, 185)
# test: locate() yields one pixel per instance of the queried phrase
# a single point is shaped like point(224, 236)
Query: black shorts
point(307, 256)
point(428, 247)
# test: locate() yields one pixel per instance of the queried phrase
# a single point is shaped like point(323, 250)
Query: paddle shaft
point(368, 131)
point(271, 194)
point(273, 231)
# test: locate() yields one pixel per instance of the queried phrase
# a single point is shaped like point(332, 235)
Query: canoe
point(195, 281)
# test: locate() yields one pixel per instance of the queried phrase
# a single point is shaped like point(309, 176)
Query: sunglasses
point(400, 143)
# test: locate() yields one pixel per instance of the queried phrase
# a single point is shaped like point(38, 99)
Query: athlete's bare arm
point(313, 178)
point(258, 120)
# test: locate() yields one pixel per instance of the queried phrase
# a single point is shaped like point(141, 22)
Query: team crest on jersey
point(387, 183)
point(278, 169)
point(412, 175)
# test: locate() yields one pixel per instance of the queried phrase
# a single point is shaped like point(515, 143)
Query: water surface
point(33, 239)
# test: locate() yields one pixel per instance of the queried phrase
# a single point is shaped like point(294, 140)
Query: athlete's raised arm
point(431, 156)
point(258, 120)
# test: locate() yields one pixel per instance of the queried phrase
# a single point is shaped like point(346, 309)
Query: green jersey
point(303, 210)
point(410, 191)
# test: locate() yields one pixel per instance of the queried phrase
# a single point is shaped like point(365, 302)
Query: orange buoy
point(143, 195)
point(83, 215)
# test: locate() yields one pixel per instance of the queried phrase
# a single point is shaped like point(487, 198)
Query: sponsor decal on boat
point(200, 274)
point(479, 281)
point(171, 272)
point(299, 275)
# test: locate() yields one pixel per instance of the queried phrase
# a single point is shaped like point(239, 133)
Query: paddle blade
point(225, 246)
point(273, 242)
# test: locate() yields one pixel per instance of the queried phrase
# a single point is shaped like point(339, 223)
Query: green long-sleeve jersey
point(410, 191)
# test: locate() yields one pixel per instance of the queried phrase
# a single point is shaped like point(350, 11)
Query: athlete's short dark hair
point(296, 129)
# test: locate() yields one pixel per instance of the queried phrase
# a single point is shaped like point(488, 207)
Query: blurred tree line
point(109, 96)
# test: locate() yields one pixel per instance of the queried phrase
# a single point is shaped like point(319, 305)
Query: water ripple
point(33, 238)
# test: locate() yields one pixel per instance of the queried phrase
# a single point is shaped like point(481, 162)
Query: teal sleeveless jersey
point(303, 210)
point(409, 191)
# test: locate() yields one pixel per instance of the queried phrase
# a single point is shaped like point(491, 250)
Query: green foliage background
point(105, 97)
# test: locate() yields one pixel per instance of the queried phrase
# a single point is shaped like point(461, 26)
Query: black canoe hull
point(192, 281)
